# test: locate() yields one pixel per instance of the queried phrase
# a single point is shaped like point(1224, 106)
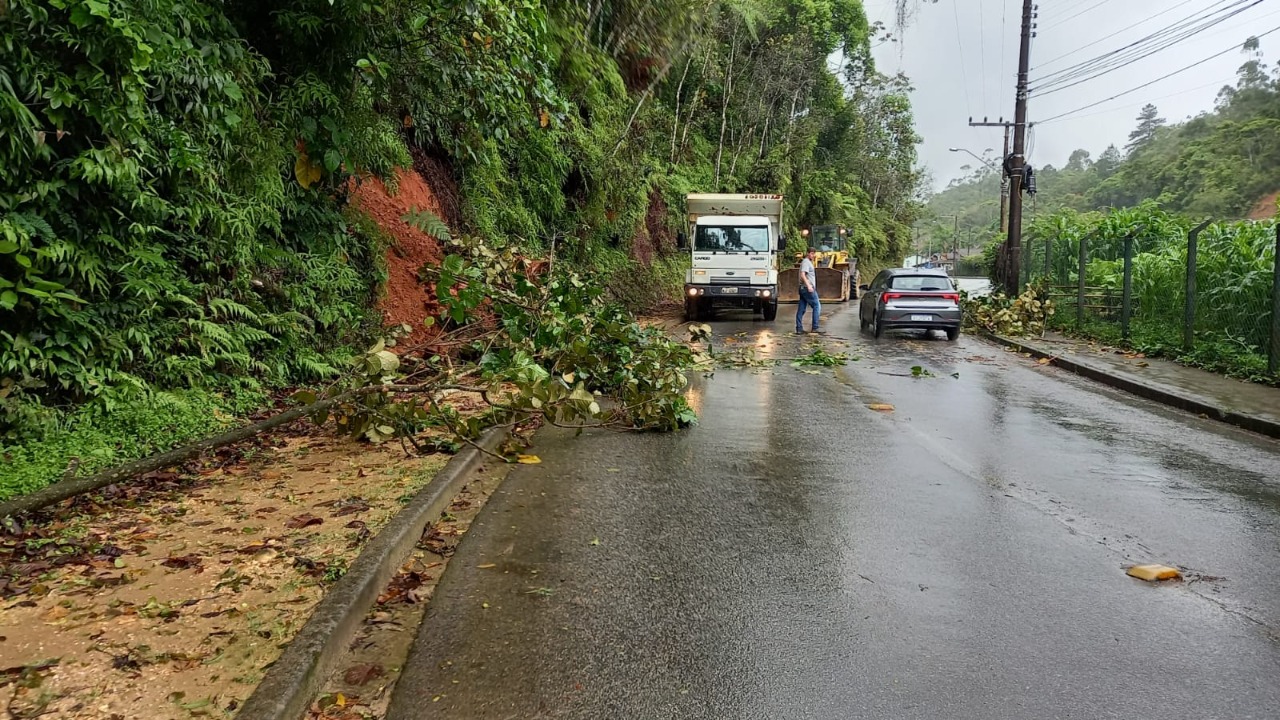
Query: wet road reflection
point(799, 555)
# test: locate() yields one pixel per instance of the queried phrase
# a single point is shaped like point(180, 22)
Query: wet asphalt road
point(797, 555)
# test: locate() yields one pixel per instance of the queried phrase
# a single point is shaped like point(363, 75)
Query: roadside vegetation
point(1223, 164)
point(178, 241)
point(1234, 276)
point(1220, 166)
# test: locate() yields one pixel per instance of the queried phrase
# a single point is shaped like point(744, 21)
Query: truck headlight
point(693, 292)
point(766, 293)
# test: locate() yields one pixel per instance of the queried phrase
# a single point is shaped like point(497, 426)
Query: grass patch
point(1218, 353)
point(102, 436)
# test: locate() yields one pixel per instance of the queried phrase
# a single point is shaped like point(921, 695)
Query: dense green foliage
point(1234, 276)
point(561, 341)
point(151, 236)
point(666, 98)
point(552, 348)
point(174, 174)
point(1218, 164)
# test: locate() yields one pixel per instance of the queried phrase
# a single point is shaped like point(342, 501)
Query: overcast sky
point(962, 58)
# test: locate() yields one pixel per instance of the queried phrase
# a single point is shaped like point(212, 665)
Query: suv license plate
point(729, 291)
point(921, 318)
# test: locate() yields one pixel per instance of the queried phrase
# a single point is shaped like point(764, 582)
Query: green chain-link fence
point(1208, 295)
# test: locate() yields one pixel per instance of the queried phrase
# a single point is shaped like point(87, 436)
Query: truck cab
point(735, 241)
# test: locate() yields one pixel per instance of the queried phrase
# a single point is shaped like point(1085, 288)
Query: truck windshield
point(719, 238)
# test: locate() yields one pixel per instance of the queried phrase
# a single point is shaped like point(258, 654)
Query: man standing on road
point(808, 292)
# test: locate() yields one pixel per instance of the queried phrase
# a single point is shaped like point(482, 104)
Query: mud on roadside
point(172, 607)
point(361, 687)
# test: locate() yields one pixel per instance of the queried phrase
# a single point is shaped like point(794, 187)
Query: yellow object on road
point(832, 285)
point(1155, 573)
point(834, 271)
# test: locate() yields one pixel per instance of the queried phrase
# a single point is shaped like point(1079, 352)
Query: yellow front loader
point(834, 271)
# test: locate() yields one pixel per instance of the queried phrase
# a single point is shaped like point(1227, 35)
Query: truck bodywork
point(735, 241)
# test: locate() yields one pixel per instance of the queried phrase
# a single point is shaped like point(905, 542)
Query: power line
point(1158, 39)
point(1091, 7)
point(1153, 82)
point(1108, 37)
point(1004, 33)
point(964, 73)
point(1056, 10)
point(982, 48)
point(1249, 22)
point(1130, 106)
point(1135, 52)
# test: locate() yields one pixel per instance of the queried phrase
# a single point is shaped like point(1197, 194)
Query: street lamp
point(976, 157)
point(1004, 183)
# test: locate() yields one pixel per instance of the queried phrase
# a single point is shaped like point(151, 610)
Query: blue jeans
point(807, 299)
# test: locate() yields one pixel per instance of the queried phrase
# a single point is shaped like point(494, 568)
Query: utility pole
point(1004, 186)
point(955, 246)
point(1001, 272)
point(1018, 159)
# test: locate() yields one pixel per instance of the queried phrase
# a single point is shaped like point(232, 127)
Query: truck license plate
point(921, 318)
point(729, 291)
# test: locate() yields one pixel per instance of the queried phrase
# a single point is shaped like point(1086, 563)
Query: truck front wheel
point(771, 310)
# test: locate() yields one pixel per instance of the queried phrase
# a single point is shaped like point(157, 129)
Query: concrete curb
point(293, 680)
point(1167, 397)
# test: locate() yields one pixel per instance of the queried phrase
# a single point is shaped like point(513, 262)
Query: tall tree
point(1108, 162)
point(1079, 161)
point(1149, 123)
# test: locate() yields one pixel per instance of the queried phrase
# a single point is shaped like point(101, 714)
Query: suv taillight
point(953, 297)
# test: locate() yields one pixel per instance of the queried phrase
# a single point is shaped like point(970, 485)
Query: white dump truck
point(736, 241)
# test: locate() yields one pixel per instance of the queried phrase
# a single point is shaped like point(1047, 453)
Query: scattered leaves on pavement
point(300, 521)
point(167, 597)
point(184, 562)
point(362, 674)
point(821, 358)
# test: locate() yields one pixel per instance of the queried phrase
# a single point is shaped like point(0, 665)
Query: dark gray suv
point(911, 298)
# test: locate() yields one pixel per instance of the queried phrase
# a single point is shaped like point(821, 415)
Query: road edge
point(296, 676)
point(1150, 392)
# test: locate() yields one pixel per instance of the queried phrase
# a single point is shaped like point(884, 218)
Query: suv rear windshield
point(921, 282)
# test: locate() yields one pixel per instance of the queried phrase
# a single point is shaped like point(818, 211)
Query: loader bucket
point(833, 285)
point(789, 285)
